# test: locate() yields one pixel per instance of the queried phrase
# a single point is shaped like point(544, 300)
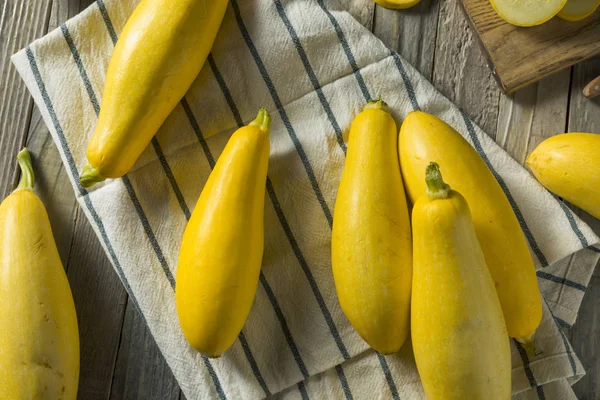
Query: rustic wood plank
point(143, 372)
point(399, 28)
point(362, 11)
point(20, 23)
point(100, 300)
point(52, 185)
point(521, 56)
point(460, 70)
point(584, 115)
point(533, 114)
point(99, 297)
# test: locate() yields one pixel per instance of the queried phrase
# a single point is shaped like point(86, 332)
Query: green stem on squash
point(27, 176)
point(262, 121)
point(90, 176)
point(436, 187)
point(378, 104)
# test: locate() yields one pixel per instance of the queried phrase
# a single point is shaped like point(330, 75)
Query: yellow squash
point(39, 339)
point(397, 4)
point(576, 10)
point(424, 137)
point(159, 54)
point(527, 12)
point(222, 248)
point(458, 331)
point(371, 243)
point(569, 165)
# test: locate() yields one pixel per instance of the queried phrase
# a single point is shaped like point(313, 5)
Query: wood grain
point(584, 115)
point(398, 30)
point(141, 371)
point(521, 56)
point(460, 71)
point(20, 23)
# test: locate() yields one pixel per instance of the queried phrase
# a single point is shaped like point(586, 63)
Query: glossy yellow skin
point(425, 138)
point(159, 54)
point(39, 339)
point(458, 333)
point(576, 10)
point(222, 248)
point(397, 4)
point(569, 165)
point(371, 243)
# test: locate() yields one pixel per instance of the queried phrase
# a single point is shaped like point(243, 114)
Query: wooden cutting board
point(521, 56)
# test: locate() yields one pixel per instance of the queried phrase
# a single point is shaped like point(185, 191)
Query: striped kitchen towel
point(313, 67)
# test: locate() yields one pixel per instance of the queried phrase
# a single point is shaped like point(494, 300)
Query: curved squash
point(222, 248)
point(458, 331)
point(569, 165)
point(371, 242)
point(159, 54)
point(424, 137)
point(39, 338)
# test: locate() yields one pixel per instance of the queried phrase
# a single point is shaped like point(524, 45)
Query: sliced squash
point(576, 10)
point(397, 4)
point(527, 12)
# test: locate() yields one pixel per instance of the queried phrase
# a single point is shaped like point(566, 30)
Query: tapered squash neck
point(378, 104)
point(27, 177)
point(90, 176)
point(262, 121)
point(436, 187)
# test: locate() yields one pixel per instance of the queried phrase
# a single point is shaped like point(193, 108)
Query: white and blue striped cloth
point(313, 67)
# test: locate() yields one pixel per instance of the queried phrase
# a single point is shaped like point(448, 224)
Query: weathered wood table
point(119, 359)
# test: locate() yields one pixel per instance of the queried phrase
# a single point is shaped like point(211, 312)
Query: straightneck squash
point(160, 52)
point(39, 339)
point(371, 242)
point(222, 247)
point(569, 165)
point(458, 331)
point(424, 137)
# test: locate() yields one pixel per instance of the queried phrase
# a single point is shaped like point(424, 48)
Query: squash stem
point(90, 176)
point(436, 187)
point(378, 104)
point(27, 175)
point(262, 121)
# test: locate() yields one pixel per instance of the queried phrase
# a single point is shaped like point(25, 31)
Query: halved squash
point(576, 10)
point(397, 4)
point(527, 12)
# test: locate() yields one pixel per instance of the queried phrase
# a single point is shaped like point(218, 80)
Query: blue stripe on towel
point(388, 376)
point(573, 223)
point(528, 371)
point(311, 74)
point(561, 280)
point(344, 42)
point(407, 83)
point(281, 109)
point(479, 148)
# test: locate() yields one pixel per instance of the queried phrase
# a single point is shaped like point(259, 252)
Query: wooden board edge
point(486, 53)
